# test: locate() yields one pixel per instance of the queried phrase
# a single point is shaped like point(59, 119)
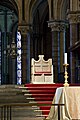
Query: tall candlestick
point(65, 58)
point(66, 73)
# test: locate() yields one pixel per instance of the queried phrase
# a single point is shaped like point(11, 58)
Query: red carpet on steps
point(44, 93)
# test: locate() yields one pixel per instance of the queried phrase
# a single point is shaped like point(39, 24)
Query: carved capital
point(24, 28)
point(57, 25)
point(74, 17)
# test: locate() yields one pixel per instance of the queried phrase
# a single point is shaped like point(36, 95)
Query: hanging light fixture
point(13, 49)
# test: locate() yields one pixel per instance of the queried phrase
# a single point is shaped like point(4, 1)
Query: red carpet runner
point(43, 93)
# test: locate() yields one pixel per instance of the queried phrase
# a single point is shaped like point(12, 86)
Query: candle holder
point(66, 75)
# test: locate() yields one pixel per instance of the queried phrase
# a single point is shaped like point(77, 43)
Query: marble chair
point(41, 71)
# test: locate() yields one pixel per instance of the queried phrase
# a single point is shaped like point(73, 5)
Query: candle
point(65, 58)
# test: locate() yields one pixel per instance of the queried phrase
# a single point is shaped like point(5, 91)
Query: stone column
point(58, 48)
point(28, 57)
point(13, 80)
point(73, 18)
point(12, 60)
point(23, 28)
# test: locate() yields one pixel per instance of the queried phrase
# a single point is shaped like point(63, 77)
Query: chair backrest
point(41, 70)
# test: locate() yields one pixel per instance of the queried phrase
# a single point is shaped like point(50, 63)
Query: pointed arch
point(60, 10)
point(11, 4)
point(64, 8)
point(39, 15)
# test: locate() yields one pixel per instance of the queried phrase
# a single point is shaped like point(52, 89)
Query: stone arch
point(33, 5)
point(59, 3)
point(64, 9)
point(11, 4)
point(12, 7)
point(39, 13)
point(30, 9)
point(43, 12)
point(60, 9)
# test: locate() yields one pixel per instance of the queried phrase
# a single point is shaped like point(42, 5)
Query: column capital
point(74, 17)
point(57, 25)
point(24, 27)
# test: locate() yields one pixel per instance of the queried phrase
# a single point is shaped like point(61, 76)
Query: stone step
point(8, 92)
point(23, 113)
point(28, 118)
point(11, 99)
point(13, 94)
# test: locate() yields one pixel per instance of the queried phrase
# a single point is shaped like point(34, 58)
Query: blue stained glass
point(18, 80)
point(19, 51)
point(19, 44)
point(19, 73)
point(19, 59)
point(18, 36)
point(19, 65)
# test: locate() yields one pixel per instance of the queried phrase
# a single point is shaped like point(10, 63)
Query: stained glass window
point(19, 72)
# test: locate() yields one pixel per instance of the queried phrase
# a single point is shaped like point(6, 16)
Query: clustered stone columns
point(23, 28)
point(58, 48)
point(74, 19)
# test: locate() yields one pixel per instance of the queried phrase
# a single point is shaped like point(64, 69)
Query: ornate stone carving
point(73, 18)
point(57, 25)
point(24, 28)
